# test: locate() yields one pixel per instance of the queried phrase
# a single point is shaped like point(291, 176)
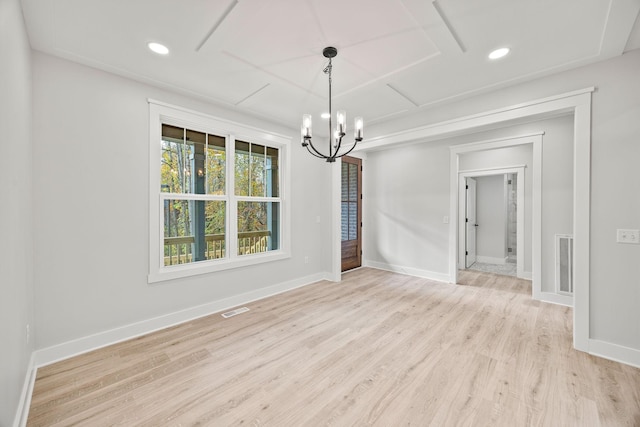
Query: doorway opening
point(491, 221)
point(351, 213)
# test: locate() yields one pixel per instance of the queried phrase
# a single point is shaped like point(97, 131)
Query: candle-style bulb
point(342, 121)
point(359, 128)
point(306, 126)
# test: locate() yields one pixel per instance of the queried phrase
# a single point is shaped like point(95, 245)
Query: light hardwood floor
point(377, 349)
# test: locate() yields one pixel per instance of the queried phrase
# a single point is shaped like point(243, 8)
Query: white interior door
point(470, 223)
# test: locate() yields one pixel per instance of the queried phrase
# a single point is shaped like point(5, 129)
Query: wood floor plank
point(379, 349)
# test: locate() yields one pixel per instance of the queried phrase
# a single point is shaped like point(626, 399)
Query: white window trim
point(163, 113)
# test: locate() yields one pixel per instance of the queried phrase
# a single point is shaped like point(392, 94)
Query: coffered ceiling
point(394, 56)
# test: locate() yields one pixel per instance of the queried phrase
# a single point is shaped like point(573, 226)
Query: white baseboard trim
point(22, 412)
point(615, 352)
point(528, 275)
point(440, 277)
point(490, 260)
point(553, 298)
point(78, 346)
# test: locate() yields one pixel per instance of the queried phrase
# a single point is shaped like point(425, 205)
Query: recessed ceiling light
point(325, 115)
point(499, 53)
point(158, 48)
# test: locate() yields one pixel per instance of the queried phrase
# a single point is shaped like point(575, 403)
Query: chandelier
point(335, 142)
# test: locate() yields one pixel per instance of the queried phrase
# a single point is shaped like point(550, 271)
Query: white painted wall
point(91, 195)
point(614, 290)
point(557, 193)
point(16, 280)
point(405, 200)
point(491, 215)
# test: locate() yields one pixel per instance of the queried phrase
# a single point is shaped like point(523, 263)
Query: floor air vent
point(564, 264)
point(235, 312)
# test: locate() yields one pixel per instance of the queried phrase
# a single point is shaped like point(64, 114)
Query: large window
point(215, 196)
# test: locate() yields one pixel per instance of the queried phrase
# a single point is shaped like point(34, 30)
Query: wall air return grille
point(564, 264)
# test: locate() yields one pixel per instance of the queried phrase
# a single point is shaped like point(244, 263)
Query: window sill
point(205, 267)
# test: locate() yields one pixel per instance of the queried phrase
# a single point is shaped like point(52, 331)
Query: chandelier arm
point(338, 145)
point(317, 153)
point(348, 151)
point(320, 156)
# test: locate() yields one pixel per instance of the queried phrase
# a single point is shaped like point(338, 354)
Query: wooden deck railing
point(253, 242)
point(178, 249)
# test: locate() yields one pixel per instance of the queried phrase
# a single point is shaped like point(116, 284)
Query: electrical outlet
point(306, 260)
point(628, 236)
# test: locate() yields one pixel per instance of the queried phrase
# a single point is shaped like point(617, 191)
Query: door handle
point(475, 225)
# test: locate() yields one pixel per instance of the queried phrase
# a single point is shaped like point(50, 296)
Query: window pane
point(256, 170)
point(216, 165)
point(194, 162)
point(258, 227)
point(215, 222)
point(172, 160)
point(353, 182)
point(194, 230)
point(271, 174)
point(189, 164)
point(345, 181)
point(344, 216)
point(242, 168)
point(353, 220)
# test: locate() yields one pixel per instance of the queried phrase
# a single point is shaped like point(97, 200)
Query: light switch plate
point(628, 236)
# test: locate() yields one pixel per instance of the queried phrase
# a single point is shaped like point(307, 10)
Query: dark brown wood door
point(351, 213)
